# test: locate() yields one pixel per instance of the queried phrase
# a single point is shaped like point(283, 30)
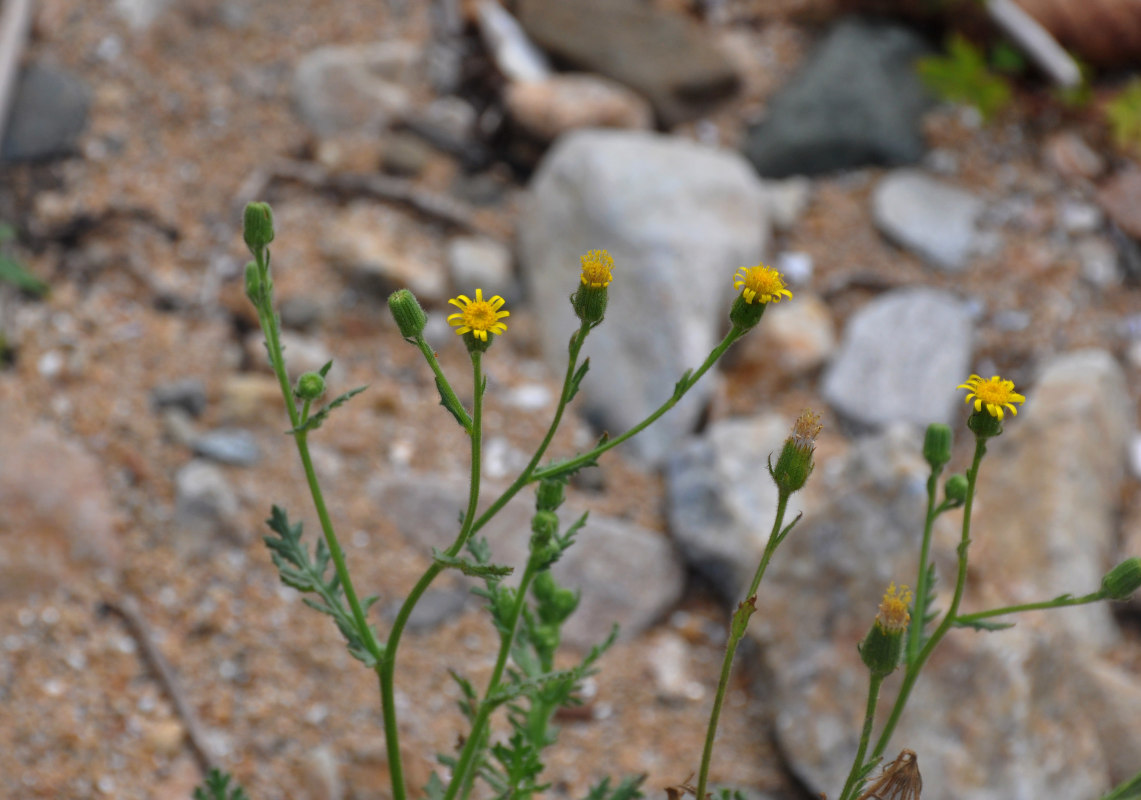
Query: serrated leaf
point(315, 421)
point(982, 624)
point(627, 789)
point(217, 787)
point(434, 789)
point(471, 568)
point(448, 401)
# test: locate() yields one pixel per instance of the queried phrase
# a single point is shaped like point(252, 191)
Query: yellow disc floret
point(478, 317)
point(597, 269)
point(994, 393)
point(893, 614)
point(760, 283)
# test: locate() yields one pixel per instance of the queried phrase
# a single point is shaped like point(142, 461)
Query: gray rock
point(857, 101)
point(1049, 492)
point(627, 574)
point(794, 338)
point(358, 87)
point(301, 312)
point(900, 359)
point(204, 501)
point(435, 607)
point(189, 394)
point(229, 446)
point(59, 518)
point(670, 60)
point(1100, 262)
point(48, 113)
point(479, 261)
point(721, 501)
point(932, 218)
point(994, 715)
point(678, 218)
point(141, 14)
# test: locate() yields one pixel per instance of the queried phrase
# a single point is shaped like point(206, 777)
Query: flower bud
point(937, 444)
point(410, 317)
point(555, 603)
point(310, 386)
point(254, 285)
point(795, 462)
point(592, 296)
point(550, 494)
point(544, 525)
point(882, 649)
point(257, 226)
point(1123, 580)
point(956, 488)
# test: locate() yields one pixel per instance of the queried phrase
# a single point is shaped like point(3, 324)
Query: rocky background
point(448, 145)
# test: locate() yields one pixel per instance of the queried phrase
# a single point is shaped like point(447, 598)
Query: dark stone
point(669, 59)
point(189, 394)
point(49, 111)
point(857, 101)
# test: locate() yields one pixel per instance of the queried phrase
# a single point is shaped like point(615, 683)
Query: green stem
point(736, 633)
point(915, 634)
point(386, 668)
point(852, 784)
point(441, 380)
point(269, 327)
point(1128, 789)
point(585, 458)
point(913, 668)
point(1059, 602)
point(486, 707)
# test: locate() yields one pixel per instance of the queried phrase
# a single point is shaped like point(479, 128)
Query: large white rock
point(900, 359)
point(679, 219)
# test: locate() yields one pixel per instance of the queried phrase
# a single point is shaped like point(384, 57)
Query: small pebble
point(188, 394)
point(229, 446)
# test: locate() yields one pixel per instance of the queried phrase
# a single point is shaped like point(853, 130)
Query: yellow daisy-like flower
point(894, 615)
point(597, 269)
point(994, 393)
point(760, 282)
point(478, 317)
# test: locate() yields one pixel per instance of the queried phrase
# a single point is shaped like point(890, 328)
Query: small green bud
point(257, 226)
point(254, 285)
point(410, 317)
point(590, 304)
point(937, 444)
point(746, 315)
point(882, 649)
point(956, 488)
point(1123, 580)
point(795, 462)
point(310, 386)
point(545, 638)
point(550, 494)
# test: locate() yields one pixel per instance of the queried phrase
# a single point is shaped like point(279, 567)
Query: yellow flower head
point(597, 269)
point(761, 282)
point(994, 393)
point(893, 615)
point(478, 317)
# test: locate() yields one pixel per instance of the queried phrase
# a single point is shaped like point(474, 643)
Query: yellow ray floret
point(478, 317)
point(597, 269)
point(994, 393)
point(761, 283)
